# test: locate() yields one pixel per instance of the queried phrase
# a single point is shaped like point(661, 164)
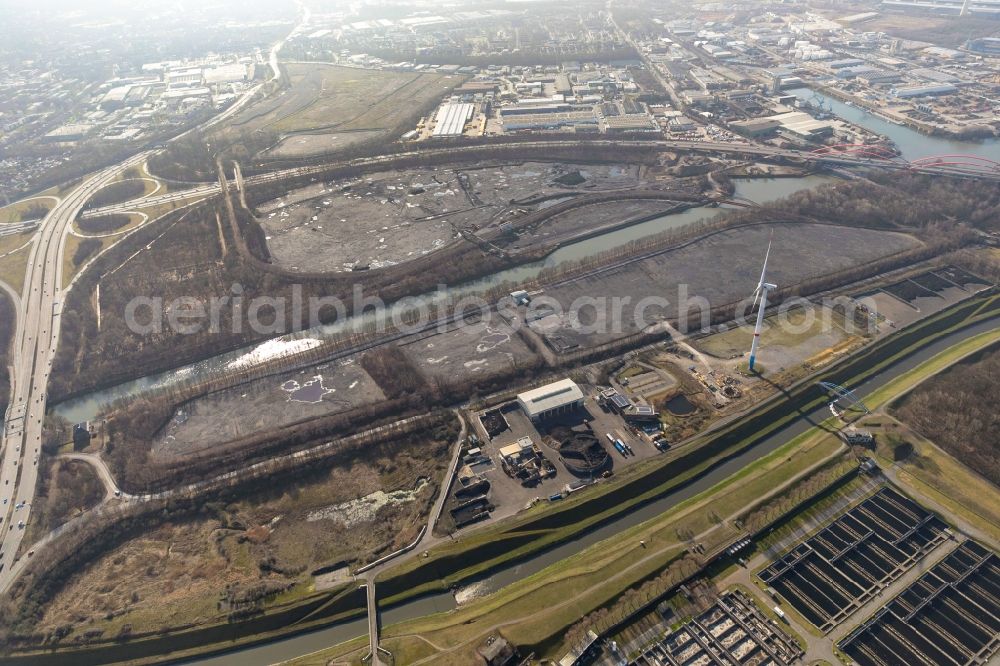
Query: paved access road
point(35, 341)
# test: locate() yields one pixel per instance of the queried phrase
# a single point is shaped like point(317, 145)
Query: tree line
point(959, 410)
point(103, 224)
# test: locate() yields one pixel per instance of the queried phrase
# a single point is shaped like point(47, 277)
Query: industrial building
point(755, 127)
point(732, 631)
point(550, 400)
point(800, 125)
point(540, 106)
point(451, 118)
point(550, 120)
point(68, 133)
point(630, 123)
point(987, 45)
point(184, 77)
point(878, 77)
point(925, 90)
point(115, 98)
point(230, 73)
point(513, 454)
point(708, 80)
point(844, 63)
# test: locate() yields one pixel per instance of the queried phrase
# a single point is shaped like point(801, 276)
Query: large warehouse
point(546, 401)
point(451, 118)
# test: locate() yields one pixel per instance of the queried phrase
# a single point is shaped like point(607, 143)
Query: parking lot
point(508, 495)
point(830, 575)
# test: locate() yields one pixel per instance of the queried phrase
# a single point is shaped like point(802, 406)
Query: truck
point(780, 613)
point(621, 447)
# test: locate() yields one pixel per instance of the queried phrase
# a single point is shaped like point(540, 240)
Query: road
point(713, 147)
point(111, 488)
point(35, 340)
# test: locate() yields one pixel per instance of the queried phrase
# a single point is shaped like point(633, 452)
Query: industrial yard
point(520, 456)
point(906, 301)
point(835, 572)
point(470, 352)
point(202, 424)
point(733, 628)
point(951, 615)
point(390, 218)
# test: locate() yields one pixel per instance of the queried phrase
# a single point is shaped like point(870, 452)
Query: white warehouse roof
point(451, 119)
point(549, 397)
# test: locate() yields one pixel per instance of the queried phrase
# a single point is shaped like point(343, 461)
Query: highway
point(37, 336)
point(35, 341)
point(199, 192)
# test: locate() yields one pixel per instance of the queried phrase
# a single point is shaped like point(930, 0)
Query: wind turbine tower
point(760, 294)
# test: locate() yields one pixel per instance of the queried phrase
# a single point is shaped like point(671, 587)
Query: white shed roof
point(550, 396)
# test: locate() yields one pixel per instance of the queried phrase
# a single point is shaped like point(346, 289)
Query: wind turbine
point(760, 294)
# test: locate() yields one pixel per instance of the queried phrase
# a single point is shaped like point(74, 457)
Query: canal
point(911, 143)
point(760, 190)
point(302, 644)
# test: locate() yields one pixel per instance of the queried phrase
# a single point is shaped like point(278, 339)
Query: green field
point(328, 106)
point(16, 211)
point(14, 251)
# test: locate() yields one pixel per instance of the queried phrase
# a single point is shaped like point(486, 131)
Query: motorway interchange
point(35, 341)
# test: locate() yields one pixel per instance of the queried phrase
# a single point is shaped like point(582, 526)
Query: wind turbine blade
point(756, 297)
point(763, 271)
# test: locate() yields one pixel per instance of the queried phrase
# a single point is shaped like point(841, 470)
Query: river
point(760, 190)
point(911, 143)
point(305, 643)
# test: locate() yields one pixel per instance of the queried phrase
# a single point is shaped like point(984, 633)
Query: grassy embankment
point(747, 432)
point(534, 610)
point(28, 208)
point(536, 529)
point(547, 590)
point(14, 251)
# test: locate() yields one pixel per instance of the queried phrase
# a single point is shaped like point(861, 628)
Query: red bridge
point(880, 155)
